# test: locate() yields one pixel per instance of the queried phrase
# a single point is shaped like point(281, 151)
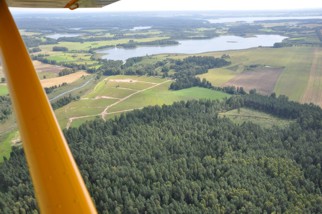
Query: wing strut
point(58, 184)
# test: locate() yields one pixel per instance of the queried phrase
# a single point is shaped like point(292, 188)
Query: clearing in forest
point(260, 118)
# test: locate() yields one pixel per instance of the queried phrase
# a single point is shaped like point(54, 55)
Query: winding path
point(104, 113)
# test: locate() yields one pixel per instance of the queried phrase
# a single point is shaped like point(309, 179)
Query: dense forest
point(5, 108)
point(184, 70)
point(184, 158)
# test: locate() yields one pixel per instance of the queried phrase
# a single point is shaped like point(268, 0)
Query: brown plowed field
point(262, 79)
point(41, 67)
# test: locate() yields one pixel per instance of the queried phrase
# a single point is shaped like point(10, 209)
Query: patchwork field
point(300, 79)
point(118, 94)
point(64, 79)
point(42, 67)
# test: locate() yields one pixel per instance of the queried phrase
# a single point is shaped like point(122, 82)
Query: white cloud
point(177, 5)
point(156, 5)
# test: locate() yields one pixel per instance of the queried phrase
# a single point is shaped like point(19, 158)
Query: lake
point(221, 43)
point(253, 19)
point(60, 35)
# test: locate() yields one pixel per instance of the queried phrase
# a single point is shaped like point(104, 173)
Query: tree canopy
point(184, 158)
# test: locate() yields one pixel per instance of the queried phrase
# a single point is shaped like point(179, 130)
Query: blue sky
point(166, 5)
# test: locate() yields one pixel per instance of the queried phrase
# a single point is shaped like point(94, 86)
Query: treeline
point(5, 108)
point(188, 82)
point(186, 68)
point(42, 58)
point(59, 48)
point(132, 44)
point(32, 41)
point(184, 158)
point(49, 90)
point(132, 66)
point(195, 65)
point(308, 115)
point(64, 101)
point(66, 71)
point(34, 50)
point(244, 29)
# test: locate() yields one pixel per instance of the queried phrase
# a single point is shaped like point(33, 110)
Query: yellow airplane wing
point(58, 184)
point(58, 3)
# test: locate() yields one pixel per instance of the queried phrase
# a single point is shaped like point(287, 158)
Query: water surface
point(60, 35)
point(221, 43)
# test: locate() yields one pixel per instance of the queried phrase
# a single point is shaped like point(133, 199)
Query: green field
point(161, 95)
point(78, 58)
point(124, 93)
point(3, 90)
point(218, 76)
point(247, 115)
point(81, 108)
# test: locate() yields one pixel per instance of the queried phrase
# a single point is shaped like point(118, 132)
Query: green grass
point(102, 89)
point(82, 108)
point(5, 145)
point(3, 90)
point(218, 76)
point(159, 95)
point(117, 89)
point(47, 75)
point(293, 81)
point(76, 84)
point(78, 58)
point(162, 95)
point(260, 118)
point(130, 85)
